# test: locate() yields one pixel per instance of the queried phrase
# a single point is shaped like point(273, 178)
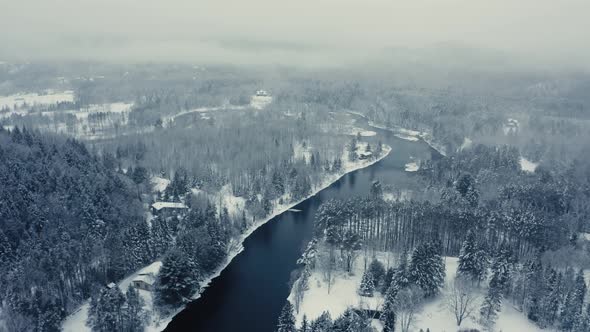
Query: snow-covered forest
point(126, 191)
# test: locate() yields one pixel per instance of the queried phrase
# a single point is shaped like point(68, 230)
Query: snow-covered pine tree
point(583, 323)
point(305, 325)
point(378, 271)
point(367, 286)
point(106, 310)
point(552, 299)
point(491, 306)
point(574, 302)
point(427, 268)
point(322, 323)
point(134, 315)
point(177, 279)
point(286, 319)
point(387, 279)
point(473, 260)
point(388, 316)
point(401, 276)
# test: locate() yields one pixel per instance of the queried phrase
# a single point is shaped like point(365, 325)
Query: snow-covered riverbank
point(434, 314)
point(76, 321)
point(407, 134)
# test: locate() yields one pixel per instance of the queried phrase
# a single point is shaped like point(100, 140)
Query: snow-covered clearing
point(527, 165)
point(412, 167)
point(76, 322)
point(18, 101)
point(367, 133)
point(467, 143)
point(260, 102)
point(434, 314)
point(159, 183)
point(397, 195)
point(343, 292)
point(302, 152)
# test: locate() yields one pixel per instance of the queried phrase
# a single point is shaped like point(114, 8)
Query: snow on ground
point(260, 102)
point(343, 292)
point(76, 322)
point(399, 195)
point(301, 152)
point(202, 110)
point(159, 183)
point(467, 143)
point(413, 136)
point(434, 315)
point(17, 101)
point(527, 165)
point(234, 204)
point(412, 167)
point(367, 133)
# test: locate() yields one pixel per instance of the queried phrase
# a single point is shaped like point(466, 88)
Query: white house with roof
point(167, 209)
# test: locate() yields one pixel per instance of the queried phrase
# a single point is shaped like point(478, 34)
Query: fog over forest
point(307, 32)
point(294, 166)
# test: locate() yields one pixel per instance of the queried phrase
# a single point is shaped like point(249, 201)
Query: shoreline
point(157, 324)
point(278, 211)
point(406, 134)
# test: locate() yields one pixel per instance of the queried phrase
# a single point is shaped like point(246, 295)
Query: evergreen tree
point(387, 280)
point(401, 277)
point(583, 323)
point(427, 268)
point(106, 310)
point(177, 279)
point(134, 314)
point(473, 260)
point(322, 323)
point(491, 306)
point(286, 319)
point(367, 286)
point(305, 325)
point(552, 299)
point(574, 302)
point(378, 271)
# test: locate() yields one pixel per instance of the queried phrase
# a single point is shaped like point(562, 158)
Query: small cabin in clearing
point(168, 209)
point(144, 281)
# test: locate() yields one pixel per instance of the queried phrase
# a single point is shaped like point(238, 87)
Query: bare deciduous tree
point(461, 299)
point(407, 303)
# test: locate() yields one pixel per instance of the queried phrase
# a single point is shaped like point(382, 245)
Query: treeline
point(68, 225)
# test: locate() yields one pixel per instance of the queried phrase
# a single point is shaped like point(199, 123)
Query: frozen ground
point(412, 167)
point(76, 322)
point(527, 165)
point(434, 314)
point(17, 101)
point(260, 102)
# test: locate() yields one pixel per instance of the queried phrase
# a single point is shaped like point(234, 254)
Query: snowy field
point(527, 165)
point(18, 101)
point(260, 102)
point(412, 167)
point(433, 315)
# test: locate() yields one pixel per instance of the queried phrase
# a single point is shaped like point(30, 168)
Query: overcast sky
point(295, 31)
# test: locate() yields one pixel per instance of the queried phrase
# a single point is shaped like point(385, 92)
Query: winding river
point(249, 294)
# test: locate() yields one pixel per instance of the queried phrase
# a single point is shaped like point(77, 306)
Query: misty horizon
point(308, 33)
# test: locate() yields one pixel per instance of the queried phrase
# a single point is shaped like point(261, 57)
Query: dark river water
point(250, 292)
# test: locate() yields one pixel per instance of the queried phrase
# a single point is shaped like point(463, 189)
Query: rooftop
point(168, 205)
